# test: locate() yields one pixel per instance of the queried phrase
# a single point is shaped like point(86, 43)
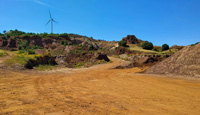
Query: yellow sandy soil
point(96, 90)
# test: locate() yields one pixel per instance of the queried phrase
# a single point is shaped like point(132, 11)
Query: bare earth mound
point(185, 62)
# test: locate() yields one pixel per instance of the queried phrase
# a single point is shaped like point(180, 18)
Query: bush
point(195, 44)
point(24, 44)
point(123, 43)
point(155, 49)
point(3, 53)
point(20, 51)
point(91, 47)
point(36, 47)
point(63, 35)
point(21, 58)
point(20, 48)
point(147, 45)
point(13, 50)
point(64, 43)
point(30, 51)
point(43, 35)
point(45, 67)
point(165, 47)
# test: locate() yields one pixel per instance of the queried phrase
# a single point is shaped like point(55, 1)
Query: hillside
point(30, 49)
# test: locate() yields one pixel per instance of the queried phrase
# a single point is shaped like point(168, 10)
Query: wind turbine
point(51, 20)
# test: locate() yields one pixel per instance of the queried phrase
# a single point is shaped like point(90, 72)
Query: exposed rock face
point(47, 41)
point(77, 58)
point(184, 62)
point(84, 43)
point(100, 56)
point(68, 49)
point(141, 61)
point(131, 39)
point(33, 40)
point(85, 58)
point(51, 42)
point(11, 43)
point(46, 60)
point(3, 43)
point(121, 50)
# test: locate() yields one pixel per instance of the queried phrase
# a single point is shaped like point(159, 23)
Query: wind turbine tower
point(51, 20)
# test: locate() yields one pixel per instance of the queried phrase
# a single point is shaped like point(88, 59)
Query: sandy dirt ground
point(96, 90)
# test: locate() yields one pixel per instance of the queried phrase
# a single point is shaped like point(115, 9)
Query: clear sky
point(158, 21)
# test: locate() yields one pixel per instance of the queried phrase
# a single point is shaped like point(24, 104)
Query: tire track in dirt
point(60, 85)
point(96, 90)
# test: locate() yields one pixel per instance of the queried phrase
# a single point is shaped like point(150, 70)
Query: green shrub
point(21, 58)
point(64, 43)
point(155, 49)
point(91, 47)
point(79, 65)
point(23, 45)
point(3, 53)
point(20, 51)
point(63, 35)
point(123, 43)
point(3, 37)
point(30, 51)
point(147, 45)
point(36, 47)
point(45, 67)
point(13, 50)
point(165, 47)
point(43, 35)
point(20, 48)
point(195, 44)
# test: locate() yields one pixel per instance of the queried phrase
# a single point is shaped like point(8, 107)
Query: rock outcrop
point(131, 39)
point(3, 43)
point(11, 43)
point(33, 40)
point(100, 56)
point(45, 60)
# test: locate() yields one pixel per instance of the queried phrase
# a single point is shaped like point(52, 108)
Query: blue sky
point(159, 21)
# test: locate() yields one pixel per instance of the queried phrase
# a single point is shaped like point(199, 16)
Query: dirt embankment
point(95, 90)
point(186, 62)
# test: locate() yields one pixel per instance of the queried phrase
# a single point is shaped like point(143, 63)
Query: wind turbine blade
point(48, 22)
point(55, 21)
point(50, 14)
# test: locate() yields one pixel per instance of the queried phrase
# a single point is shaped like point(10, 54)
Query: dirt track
point(97, 90)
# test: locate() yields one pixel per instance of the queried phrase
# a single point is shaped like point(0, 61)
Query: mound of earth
point(185, 62)
point(131, 39)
